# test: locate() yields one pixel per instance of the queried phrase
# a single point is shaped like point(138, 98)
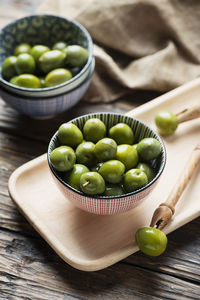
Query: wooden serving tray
point(90, 242)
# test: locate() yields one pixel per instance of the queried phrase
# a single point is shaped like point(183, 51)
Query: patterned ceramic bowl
point(108, 205)
point(50, 106)
point(46, 30)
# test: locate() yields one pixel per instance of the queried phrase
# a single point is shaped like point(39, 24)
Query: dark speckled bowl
point(47, 30)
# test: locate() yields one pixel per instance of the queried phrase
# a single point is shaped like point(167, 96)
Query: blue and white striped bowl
point(50, 106)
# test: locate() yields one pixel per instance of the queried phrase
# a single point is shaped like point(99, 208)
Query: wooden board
point(90, 242)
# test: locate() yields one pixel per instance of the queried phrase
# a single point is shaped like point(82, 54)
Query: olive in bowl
point(50, 106)
point(34, 65)
point(107, 188)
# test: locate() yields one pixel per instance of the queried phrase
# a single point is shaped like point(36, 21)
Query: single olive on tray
point(151, 241)
point(167, 122)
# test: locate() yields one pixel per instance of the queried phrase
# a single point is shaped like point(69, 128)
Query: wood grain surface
point(30, 269)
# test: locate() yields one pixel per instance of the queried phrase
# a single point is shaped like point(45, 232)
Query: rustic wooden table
point(30, 269)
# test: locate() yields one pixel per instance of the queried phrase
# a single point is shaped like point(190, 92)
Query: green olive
point(128, 155)
point(85, 153)
point(13, 80)
point(94, 130)
point(59, 46)
point(28, 81)
point(42, 81)
point(148, 149)
point(51, 60)
point(8, 67)
point(92, 183)
point(147, 170)
point(69, 134)
point(96, 168)
point(57, 76)
point(113, 190)
point(22, 48)
point(151, 241)
point(134, 179)
point(105, 149)
point(77, 56)
point(122, 134)
point(112, 171)
point(135, 146)
point(37, 51)
point(25, 64)
point(73, 177)
point(63, 158)
point(166, 122)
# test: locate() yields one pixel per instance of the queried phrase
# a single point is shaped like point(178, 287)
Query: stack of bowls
point(45, 30)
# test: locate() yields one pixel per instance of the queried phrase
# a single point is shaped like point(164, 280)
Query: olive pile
point(94, 163)
point(40, 67)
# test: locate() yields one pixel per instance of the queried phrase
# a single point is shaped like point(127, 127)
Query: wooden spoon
point(188, 114)
point(165, 211)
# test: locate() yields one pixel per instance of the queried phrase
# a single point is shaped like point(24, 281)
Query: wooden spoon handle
point(188, 114)
point(164, 212)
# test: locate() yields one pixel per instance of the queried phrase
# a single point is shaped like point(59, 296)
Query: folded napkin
point(139, 44)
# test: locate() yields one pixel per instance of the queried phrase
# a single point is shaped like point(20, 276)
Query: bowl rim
point(101, 197)
point(48, 89)
point(55, 96)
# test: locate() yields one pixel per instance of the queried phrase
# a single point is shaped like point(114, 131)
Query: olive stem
point(188, 114)
point(165, 211)
point(86, 183)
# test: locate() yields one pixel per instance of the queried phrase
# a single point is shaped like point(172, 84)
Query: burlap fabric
point(139, 44)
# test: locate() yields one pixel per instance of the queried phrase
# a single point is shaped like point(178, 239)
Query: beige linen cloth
point(139, 44)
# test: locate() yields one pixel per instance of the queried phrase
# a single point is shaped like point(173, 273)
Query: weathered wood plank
point(29, 268)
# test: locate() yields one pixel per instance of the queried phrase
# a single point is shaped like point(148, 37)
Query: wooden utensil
point(165, 211)
point(188, 114)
